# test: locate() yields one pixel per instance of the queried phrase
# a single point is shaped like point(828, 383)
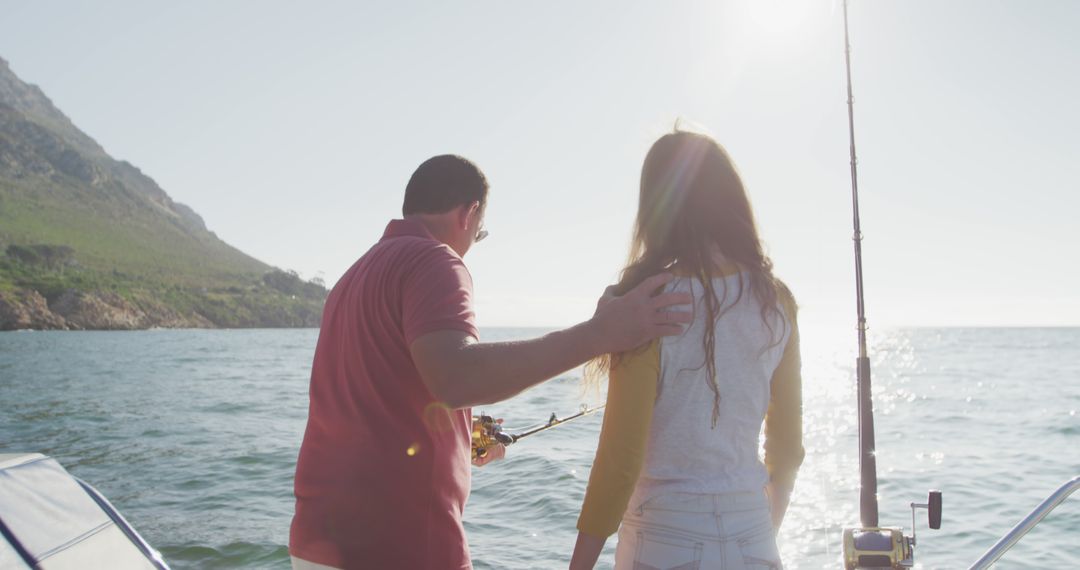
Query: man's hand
point(626, 322)
point(494, 453)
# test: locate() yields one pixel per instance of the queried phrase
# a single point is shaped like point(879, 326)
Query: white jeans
point(686, 531)
point(301, 564)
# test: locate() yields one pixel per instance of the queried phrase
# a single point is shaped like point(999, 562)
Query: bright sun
point(775, 25)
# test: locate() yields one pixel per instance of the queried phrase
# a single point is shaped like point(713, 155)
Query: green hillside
point(84, 236)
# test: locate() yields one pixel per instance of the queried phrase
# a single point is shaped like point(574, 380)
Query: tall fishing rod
point(868, 505)
point(872, 546)
point(489, 431)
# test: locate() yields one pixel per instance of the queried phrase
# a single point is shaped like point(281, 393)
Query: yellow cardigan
point(620, 454)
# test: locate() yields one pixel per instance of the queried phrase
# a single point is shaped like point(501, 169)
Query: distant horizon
point(830, 327)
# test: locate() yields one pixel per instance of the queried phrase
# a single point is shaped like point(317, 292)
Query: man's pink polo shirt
point(384, 469)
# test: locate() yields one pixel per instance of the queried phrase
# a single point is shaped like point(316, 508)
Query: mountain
point(91, 242)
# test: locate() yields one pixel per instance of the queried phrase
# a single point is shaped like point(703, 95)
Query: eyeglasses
point(480, 235)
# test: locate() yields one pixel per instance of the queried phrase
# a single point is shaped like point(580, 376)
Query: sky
point(293, 127)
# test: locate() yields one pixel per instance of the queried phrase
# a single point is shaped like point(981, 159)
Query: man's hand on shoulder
point(460, 372)
point(623, 323)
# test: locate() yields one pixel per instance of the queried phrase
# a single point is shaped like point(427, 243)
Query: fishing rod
point(868, 506)
point(871, 546)
point(487, 431)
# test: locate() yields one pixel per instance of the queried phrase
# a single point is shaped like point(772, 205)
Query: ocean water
point(194, 434)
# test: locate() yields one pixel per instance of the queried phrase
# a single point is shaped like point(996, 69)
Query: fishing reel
point(880, 548)
point(486, 433)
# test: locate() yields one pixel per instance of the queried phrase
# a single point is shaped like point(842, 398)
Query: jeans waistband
point(707, 503)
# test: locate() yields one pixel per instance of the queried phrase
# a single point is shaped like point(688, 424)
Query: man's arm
point(462, 372)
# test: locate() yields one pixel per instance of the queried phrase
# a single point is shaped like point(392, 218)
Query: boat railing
point(1013, 536)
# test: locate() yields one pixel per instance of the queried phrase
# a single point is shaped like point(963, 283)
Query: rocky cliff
point(91, 242)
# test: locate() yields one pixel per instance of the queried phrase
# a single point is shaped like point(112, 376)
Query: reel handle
point(933, 512)
point(933, 508)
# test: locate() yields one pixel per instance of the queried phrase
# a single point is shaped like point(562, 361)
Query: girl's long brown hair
point(692, 206)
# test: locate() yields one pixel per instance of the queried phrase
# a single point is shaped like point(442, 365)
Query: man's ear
point(466, 210)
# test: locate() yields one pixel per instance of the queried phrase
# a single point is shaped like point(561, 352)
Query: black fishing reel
point(881, 548)
point(487, 432)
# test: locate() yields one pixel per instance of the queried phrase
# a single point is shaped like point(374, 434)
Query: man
point(384, 469)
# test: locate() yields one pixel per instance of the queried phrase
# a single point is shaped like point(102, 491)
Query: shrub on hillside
point(290, 283)
point(52, 256)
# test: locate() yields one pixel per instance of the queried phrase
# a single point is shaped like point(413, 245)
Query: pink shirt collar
point(401, 228)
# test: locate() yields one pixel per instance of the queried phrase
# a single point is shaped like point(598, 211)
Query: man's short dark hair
point(443, 183)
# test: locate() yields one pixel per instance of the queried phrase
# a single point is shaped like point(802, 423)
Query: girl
point(677, 464)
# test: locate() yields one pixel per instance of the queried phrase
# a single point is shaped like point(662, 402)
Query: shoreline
point(72, 309)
